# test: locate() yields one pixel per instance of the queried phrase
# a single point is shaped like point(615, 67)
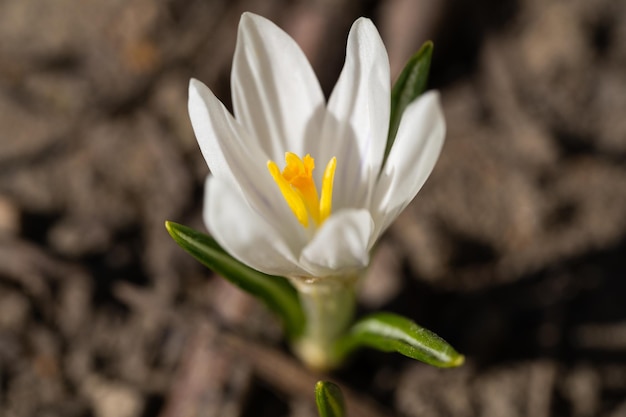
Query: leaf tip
point(171, 229)
point(329, 399)
point(457, 361)
point(319, 386)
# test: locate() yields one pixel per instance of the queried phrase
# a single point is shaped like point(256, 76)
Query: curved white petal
point(235, 158)
point(243, 233)
point(276, 95)
point(411, 160)
point(356, 125)
point(341, 245)
point(211, 123)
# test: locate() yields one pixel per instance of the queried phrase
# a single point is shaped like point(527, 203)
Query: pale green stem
point(328, 306)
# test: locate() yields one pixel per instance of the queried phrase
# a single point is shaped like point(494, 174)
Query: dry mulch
point(513, 251)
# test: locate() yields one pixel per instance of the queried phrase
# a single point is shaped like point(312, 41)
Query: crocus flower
point(298, 187)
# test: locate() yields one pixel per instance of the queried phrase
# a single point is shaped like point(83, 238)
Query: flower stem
point(329, 307)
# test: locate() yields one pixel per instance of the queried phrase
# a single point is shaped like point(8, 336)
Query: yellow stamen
point(291, 196)
point(299, 190)
point(326, 201)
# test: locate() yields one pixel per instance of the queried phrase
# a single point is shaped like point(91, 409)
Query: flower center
point(298, 188)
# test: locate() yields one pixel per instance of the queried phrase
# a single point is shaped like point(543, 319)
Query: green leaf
point(329, 400)
point(277, 293)
point(410, 84)
point(393, 333)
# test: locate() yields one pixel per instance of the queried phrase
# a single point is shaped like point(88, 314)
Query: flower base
point(328, 305)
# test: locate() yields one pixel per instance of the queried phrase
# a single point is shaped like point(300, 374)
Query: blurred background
point(513, 251)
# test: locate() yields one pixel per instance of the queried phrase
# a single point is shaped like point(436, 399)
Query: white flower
point(302, 222)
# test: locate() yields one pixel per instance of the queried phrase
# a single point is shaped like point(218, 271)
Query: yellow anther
point(298, 187)
point(291, 196)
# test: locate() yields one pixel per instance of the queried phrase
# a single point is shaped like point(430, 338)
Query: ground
point(513, 251)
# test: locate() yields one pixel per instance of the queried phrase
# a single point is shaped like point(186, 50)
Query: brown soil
point(513, 251)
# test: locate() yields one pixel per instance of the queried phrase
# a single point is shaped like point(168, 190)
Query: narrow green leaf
point(277, 293)
point(329, 400)
point(393, 333)
point(410, 84)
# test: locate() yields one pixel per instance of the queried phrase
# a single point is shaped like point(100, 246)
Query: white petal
point(235, 158)
point(211, 123)
point(411, 160)
point(276, 95)
point(340, 246)
point(355, 130)
point(243, 233)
